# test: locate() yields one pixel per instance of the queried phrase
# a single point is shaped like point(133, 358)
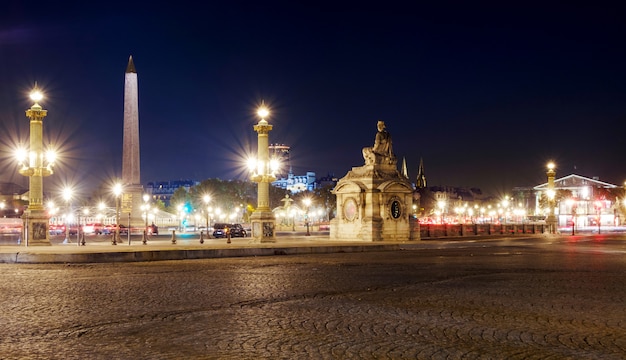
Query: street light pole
point(207, 200)
point(81, 238)
point(572, 203)
point(146, 208)
point(36, 164)
point(307, 204)
point(551, 219)
point(263, 220)
point(67, 196)
point(117, 191)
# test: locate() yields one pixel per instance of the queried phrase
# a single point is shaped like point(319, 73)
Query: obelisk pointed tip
point(131, 66)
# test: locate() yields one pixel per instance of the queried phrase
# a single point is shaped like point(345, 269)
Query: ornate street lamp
point(117, 191)
point(307, 204)
point(207, 200)
point(36, 164)
point(81, 237)
point(263, 220)
point(67, 196)
point(146, 209)
point(551, 218)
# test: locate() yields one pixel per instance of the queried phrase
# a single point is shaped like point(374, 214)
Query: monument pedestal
point(374, 201)
point(373, 204)
point(132, 200)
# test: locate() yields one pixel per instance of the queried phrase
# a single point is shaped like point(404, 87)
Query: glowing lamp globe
point(36, 95)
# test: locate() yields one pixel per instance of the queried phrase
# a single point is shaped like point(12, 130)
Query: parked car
point(238, 231)
point(221, 230)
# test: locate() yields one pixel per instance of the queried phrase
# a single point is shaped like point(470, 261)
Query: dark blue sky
point(486, 93)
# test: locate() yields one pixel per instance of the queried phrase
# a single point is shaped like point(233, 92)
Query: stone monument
point(374, 201)
point(132, 196)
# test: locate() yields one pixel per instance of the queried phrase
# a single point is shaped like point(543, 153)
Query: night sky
point(485, 93)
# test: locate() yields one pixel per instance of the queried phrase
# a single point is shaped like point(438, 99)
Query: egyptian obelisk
point(131, 179)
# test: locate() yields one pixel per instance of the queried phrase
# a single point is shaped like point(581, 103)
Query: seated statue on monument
point(381, 152)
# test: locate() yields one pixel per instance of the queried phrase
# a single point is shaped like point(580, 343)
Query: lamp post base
point(36, 228)
point(263, 225)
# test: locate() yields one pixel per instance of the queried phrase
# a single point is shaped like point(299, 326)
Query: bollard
point(201, 237)
point(173, 236)
point(145, 238)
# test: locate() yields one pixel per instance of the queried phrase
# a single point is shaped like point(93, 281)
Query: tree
point(225, 195)
point(428, 203)
point(180, 197)
point(276, 195)
point(326, 199)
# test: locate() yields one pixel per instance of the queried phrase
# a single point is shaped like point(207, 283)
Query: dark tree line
point(231, 194)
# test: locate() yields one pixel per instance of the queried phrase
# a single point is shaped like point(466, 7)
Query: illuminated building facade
point(296, 183)
point(583, 201)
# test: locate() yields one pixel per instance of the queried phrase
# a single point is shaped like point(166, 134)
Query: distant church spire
point(405, 172)
point(421, 177)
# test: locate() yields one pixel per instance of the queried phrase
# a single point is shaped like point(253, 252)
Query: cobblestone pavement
point(533, 299)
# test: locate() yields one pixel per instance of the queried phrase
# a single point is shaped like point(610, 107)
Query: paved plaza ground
point(550, 297)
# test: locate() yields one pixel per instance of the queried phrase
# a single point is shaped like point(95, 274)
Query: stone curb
point(51, 257)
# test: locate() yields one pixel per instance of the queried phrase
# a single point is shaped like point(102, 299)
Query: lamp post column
point(207, 200)
point(35, 218)
point(307, 204)
point(263, 220)
point(117, 191)
point(551, 218)
point(67, 196)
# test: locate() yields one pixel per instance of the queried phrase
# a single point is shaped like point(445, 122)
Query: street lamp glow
point(117, 189)
point(274, 165)
point(21, 155)
point(36, 95)
point(207, 199)
point(67, 193)
point(263, 112)
point(51, 157)
point(252, 164)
